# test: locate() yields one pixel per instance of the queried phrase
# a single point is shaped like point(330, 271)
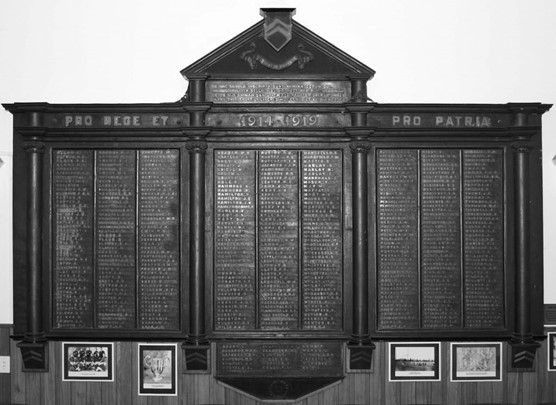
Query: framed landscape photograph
point(88, 362)
point(476, 362)
point(414, 361)
point(552, 351)
point(157, 369)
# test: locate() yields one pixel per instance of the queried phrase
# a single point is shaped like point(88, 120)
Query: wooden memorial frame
point(154, 207)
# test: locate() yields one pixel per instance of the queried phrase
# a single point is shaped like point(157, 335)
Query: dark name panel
point(440, 224)
point(322, 239)
point(278, 240)
point(72, 190)
point(159, 238)
point(115, 232)
point(234, 247)
point(125, 236)
point(440, 238)
point(279, 359)
point(397, 239)
point(483, 210)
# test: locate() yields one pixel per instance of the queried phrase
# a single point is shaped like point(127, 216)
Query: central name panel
point(278, 230)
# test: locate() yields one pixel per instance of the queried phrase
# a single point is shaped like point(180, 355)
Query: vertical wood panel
point(514, 388)
point(33, 388)
point(94, 393)
point(18, 378)
point(51, 378)
point(543, 384)
point(110, 390)
point(530, 388)
point(124, 375)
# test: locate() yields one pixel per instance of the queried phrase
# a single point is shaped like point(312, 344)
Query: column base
point(521, 356)
point(34, 355)
point(197, 358)
point(360, 356)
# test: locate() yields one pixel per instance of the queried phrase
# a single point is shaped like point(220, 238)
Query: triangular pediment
point(301, 54)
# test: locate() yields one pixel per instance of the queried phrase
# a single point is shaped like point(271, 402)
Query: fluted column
point(34, 346)
point(360, 334)
point(196, 346)
point(360, 346)
point(197, 330)
point(523, 346)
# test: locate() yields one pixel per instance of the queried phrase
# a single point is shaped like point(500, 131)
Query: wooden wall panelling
point(203, 389)
point(543, 387)
point(514, 384)
point(18, 381)
point(52, 379)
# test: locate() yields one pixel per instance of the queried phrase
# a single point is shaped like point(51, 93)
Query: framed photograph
point(476, 362)
point(552, 351)
point(88, 361)
point(157, 369)
point(414, 361)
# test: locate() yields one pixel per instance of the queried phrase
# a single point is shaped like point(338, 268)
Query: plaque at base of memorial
point(279, 369)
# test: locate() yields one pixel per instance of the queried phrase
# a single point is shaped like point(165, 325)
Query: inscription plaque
point(278, 91)
point(440, 238)
point(278, 240)
point(116, 245)
point(279, 359)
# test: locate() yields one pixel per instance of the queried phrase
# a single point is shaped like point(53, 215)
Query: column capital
point(520, 147)
point(33, 147)
point(360, 146)
point(196, 146)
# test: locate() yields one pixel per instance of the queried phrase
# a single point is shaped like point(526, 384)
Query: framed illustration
point(414, 361)
point(476, 362)
point(552, 351)
point(157, 369)
point(88, 361)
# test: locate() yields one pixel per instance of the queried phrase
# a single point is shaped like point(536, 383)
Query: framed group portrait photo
point(88, 361)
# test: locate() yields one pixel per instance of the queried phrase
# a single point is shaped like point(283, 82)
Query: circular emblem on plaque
point(279, 388)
